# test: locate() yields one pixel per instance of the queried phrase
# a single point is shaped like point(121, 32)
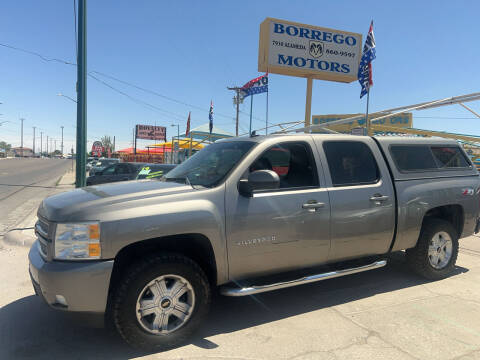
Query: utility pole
point(62, 139)
point(21, 135)
point(33, 148)
point(237, 100)
point(55, 142)
point(47, 145)
point(81, 95)
point(41, 145)
point(113, 143)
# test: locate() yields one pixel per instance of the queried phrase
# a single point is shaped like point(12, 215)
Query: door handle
point(313, 206)
point(379, 198)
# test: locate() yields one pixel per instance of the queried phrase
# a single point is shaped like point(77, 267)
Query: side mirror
point(257, 181)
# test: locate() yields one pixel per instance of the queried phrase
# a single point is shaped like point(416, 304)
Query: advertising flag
point(365, 67)
point(187, 132)
point(256, 86)
point(210, 117)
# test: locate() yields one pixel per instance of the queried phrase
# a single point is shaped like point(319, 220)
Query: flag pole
point(266, 117)
point(366, 114)
point(251, 107)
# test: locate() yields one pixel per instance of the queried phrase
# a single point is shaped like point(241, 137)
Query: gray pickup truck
point(249, 215)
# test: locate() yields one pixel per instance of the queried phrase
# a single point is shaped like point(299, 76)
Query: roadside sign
point(290, 48)
point(150, 132)
point(97, 148)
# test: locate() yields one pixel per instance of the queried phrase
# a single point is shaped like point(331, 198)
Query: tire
point(427, 264)
point(170, 269)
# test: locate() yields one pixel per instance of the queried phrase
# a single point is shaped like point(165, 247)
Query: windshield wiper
point(184, 179)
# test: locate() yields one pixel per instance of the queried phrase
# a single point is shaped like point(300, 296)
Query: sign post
point(312, 52)
point(308, 102)
point(81, 157)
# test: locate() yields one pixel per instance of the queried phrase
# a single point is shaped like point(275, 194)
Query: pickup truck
point(248, 215)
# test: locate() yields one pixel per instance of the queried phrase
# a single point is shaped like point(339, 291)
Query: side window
point(122, 169)
point(351, 163)
point(293, 162)
point(109, 170)
point(449, 157)
point(412, 157)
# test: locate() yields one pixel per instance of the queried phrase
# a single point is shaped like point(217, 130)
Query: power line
point(152, 92)
point(44, 58)
point(121, 81)
point(136, 100)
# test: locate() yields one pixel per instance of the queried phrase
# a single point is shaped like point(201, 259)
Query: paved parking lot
point(387, 313)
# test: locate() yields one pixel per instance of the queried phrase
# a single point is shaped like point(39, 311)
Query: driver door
point(276, 230)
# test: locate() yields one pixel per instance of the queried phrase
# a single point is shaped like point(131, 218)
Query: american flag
point(256, 86)
point(365, 67)
point(210, 117)
point(187, 132)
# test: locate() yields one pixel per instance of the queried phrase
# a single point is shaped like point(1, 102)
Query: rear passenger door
point(361, 197)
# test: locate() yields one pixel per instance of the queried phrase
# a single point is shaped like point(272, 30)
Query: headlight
point(79, 241)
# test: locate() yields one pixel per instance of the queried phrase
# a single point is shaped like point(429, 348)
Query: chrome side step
point(228, 290)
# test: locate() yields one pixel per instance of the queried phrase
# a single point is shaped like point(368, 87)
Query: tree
point(107, 142)
point(4, 146)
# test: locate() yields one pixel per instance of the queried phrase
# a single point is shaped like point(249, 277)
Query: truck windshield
point(209, 166)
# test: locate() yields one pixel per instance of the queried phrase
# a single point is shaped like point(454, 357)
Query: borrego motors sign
point(295, 49)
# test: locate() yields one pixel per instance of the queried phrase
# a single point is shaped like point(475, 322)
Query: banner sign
point(150, 132)
point(290, 48)
point(97, 148)
point(403, 120)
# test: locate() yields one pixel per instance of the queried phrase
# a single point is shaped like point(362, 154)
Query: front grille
point(42, 229)
point(42, 247)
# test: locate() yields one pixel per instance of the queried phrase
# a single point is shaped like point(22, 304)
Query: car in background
point(115, 172)
point(101, 164)
point(151, 171)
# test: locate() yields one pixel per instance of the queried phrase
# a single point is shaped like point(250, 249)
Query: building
point(22, 152)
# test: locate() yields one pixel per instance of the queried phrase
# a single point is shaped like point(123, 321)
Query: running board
point(237, 291)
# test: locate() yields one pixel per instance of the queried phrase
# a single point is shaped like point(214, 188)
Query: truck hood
point(81, 204)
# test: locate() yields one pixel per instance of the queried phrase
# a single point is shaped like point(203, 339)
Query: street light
point(68, 97)
point(178, 140)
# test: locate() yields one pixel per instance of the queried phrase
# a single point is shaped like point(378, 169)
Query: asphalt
point(388, 313)
point(24, 183)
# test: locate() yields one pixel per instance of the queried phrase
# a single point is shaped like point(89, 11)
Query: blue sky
point(192, 50)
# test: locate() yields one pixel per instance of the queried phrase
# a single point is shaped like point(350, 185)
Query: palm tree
point(107, 142)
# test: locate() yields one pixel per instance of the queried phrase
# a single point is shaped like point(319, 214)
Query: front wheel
point(161, 301)
point(436, 252)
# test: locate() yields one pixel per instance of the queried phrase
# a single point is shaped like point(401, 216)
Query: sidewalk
point(23, 234)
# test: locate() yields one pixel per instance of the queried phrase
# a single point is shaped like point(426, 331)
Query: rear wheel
point(436, 252)
point(161, 301)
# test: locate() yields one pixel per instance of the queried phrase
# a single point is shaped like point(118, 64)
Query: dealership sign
point(402, 120)
point(295, 49)
point(97, 148)
point(150, 132)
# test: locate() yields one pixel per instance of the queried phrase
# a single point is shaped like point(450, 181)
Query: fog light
point(59, 299)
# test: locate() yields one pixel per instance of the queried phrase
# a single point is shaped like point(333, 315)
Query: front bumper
point(84, 285)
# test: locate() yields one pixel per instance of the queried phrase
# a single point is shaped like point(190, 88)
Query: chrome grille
point(42, 247)
point(42, 229)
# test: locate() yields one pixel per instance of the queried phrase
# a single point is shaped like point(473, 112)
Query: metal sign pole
point(251, 108)
point(308, 102)
point(81, 95)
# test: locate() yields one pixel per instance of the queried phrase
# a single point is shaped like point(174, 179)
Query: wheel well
point(195, 246)
point(451, 213)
